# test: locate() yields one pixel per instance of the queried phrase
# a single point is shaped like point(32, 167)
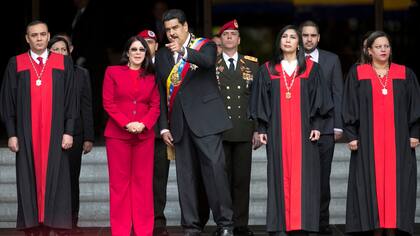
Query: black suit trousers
point(326, 153)
point(160, 181)
point(200, 168)
point(75, 162)
point(238, 167)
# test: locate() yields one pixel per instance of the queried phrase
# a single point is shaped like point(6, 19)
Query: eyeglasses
point(137, 49)
point(379, 47)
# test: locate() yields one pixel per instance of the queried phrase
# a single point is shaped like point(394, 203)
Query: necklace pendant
point(38, 82)
point(384, 91)
point(288, 95)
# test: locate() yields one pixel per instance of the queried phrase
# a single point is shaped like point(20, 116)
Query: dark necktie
point(40, 64)
point(178, 58)
point(231, 65)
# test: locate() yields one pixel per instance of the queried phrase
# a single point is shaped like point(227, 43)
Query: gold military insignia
point(249, 58)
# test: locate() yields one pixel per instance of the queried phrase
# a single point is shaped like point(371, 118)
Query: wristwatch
point(182, 51)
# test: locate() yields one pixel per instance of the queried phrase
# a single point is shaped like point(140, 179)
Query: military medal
point(289, 86)
point(38, 82)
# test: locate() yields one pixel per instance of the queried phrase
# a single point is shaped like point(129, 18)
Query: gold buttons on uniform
point(228, 97)
point(134, 112)
point(227, 87)
point(239, 87)
point(228, 107)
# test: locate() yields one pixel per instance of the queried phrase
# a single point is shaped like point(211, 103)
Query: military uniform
point(235, 87)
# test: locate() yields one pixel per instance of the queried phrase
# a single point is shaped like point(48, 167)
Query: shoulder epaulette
point(250, 58)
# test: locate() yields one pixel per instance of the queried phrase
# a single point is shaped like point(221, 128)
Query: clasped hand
point(135, 127)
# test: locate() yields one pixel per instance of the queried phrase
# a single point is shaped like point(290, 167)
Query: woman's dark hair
point(174, 14)
point(147, 64)
point(364, 56)
point(278, 53)
point(57, 38)
point(371, 39)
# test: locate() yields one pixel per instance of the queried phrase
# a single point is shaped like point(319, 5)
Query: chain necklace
point(382, 81)
point(38, 82)
point(289, 86)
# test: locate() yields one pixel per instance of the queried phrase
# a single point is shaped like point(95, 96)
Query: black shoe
point(161, 231)
point(192, 234)
point(242, 231)
point(325, 229)
point(225, 232)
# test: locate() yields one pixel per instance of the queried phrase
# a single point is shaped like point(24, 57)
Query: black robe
point(383, 173)
point(291, 155)
point(62, 105)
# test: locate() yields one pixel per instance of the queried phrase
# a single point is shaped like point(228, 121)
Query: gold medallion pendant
point(38, 82)
point(288, 95)
point(384, 91)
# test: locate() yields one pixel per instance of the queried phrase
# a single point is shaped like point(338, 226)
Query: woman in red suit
point(131, 99)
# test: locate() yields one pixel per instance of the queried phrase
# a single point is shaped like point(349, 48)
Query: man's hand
point(338, 135)
point(67, 142)
point(167, 138)
point(353, 145)
point(414, 142)
point(262, 138)
point(315, 135)
point(256, 143)
point(13, 144)
point(175, 47)
point(87, 147)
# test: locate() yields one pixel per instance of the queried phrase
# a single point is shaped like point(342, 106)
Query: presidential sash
point(178, 72)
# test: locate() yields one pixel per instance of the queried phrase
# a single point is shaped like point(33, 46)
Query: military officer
point(235, 73)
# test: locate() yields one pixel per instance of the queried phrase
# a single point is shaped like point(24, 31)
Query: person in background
point(131, 99)
point(216, 39)
point(381, 115)
point(332, 128)
point(83, 135)
point(161, 162)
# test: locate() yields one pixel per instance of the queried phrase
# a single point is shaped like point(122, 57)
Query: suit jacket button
point(134, 112)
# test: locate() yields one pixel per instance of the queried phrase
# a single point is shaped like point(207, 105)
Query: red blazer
point(129, 97)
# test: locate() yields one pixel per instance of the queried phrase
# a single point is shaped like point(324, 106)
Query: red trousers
point(130, 166)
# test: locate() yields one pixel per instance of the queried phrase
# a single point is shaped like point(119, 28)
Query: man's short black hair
point(174, 14)
point(35, 22)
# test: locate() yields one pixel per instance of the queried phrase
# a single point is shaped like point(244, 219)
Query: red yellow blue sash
point(178, 72)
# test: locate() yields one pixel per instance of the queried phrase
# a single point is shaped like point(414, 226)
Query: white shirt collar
point(289, 67)
point(226, 58)
point(35, 56)
point(314, 55)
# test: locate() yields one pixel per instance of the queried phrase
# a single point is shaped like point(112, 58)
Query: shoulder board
point(254, 59)
point(220, 60)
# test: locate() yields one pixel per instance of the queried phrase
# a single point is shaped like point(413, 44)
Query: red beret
point(233, 24)
point(147, 34)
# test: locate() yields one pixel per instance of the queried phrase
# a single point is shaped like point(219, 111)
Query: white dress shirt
point(235, 59)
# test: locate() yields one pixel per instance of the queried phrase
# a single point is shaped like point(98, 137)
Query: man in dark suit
point(332, 129)
point(235, 73)
point(161, 162)
point(192, 120)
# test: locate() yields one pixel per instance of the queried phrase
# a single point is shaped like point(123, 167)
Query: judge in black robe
point(42, 171)
point(381, 116)
point(290, 123)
